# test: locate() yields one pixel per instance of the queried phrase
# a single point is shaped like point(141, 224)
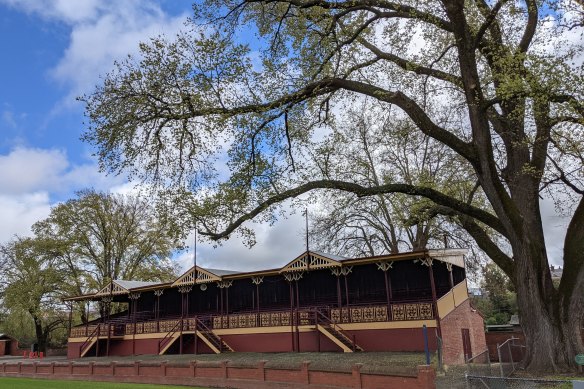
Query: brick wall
point(463, 316)
point(220, 374)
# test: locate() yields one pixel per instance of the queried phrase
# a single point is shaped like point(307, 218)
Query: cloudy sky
point(55, 50)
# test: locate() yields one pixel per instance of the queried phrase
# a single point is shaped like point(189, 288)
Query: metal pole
point(426, 347)
point(306, 218)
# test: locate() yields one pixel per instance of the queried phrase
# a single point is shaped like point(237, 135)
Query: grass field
point(26, 383)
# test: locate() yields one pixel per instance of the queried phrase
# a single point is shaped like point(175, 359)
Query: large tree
point(498, 83)
point(103, 237)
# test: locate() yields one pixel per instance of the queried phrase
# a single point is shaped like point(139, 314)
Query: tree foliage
point(104, 237)
point(34, 285)
point(373, 147)
point(500, 301)
point(498, 84)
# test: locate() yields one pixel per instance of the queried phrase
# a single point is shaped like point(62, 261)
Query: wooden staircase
point(214, 342)
point(91, 340)
point(336, 334)
point(172, 335)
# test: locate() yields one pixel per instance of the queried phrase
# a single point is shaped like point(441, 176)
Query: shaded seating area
point(316, 302)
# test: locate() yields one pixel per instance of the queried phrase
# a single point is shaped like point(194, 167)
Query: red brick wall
point(9, 347)
point(463, 316)
point(399, 339)
point(218, 375)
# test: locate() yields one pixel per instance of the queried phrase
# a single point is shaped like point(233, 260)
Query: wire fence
point(480, 365)
point(479, 372)
point(489, 382)
point(510, 352)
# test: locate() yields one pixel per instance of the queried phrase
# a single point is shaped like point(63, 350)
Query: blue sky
point(52, 52)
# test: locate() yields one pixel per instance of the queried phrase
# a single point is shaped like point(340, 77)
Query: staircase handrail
point(336, 327)
point(169, 335)
point(206, 330)
point(89, 339)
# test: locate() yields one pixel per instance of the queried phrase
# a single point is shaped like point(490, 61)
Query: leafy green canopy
point(104, 237)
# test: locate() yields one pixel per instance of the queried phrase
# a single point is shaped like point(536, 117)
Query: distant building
point(556, 272)
point(476, 292)
point(8, 345)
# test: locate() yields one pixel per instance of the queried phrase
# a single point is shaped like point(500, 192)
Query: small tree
point(34, 284)
point(500, 301)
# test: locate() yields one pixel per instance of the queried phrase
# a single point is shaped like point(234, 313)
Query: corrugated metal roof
point(135, 284)
point(221, 272)
point(329, 256)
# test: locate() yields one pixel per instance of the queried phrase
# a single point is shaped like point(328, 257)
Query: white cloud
point(276, 245)
point(26, 170)
point(68, 11)
point(33, 179)
point(19, 213)
point(101, 33)
point(95, 45)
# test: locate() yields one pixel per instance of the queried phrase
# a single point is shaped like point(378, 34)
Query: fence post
point(500, 360)
point(511, 357)
point(426, 348)
point(356, 373)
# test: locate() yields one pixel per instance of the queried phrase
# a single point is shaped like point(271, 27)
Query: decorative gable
point(202, 277)
point(113, 289)
point(309, 260)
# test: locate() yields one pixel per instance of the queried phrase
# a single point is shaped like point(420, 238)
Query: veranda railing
point(284, 317)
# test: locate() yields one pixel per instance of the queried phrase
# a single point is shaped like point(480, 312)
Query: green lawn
point(26, 383)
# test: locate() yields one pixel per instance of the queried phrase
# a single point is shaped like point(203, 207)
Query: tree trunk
point(41, 335)
point(551, 342)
